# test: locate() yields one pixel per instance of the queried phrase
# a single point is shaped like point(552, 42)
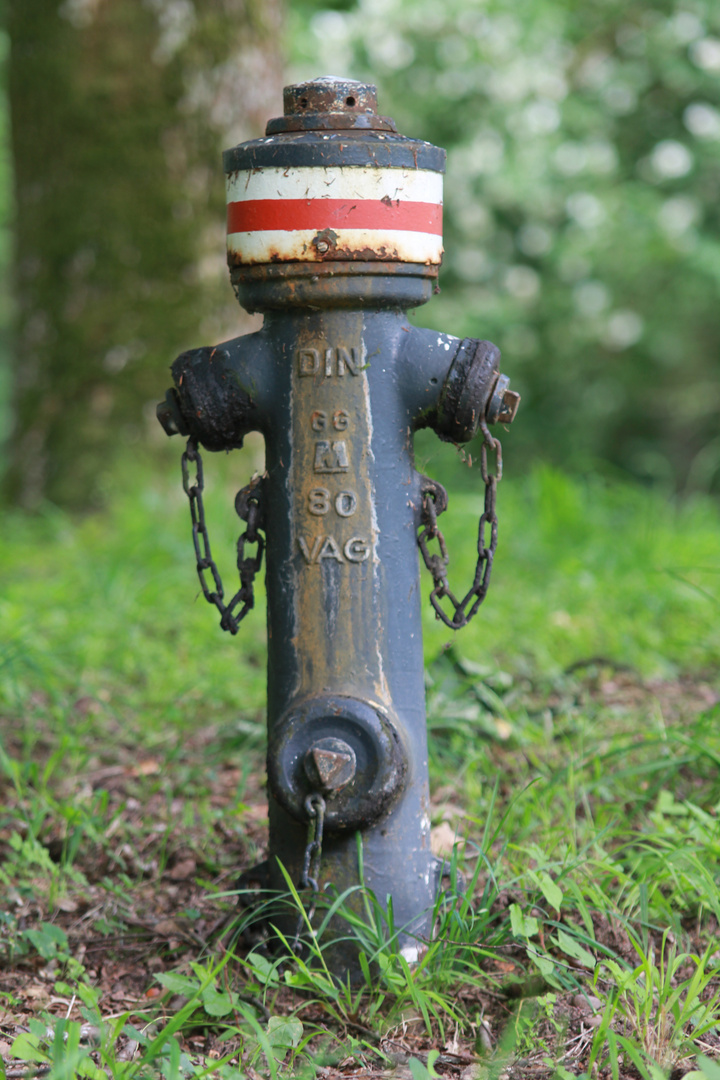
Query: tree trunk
point(119, 111)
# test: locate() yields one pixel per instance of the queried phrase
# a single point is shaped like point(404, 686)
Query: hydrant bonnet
point(333, 191)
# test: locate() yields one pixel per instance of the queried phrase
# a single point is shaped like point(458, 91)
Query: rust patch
point(299, 268)
point(334, 534)
point(329, 254)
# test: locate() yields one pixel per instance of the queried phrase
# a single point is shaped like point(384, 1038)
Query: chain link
point(309, 879)
point(249, 506)
point(434, 503)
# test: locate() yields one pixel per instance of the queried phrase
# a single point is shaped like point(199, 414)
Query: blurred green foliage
point(603, 570)
point(582, 229)
point(119, 113)
point(5, 249)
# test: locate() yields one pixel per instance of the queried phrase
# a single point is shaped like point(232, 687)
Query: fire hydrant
point(334, 232)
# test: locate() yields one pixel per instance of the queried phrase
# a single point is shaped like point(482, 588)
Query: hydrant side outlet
point(334, 230)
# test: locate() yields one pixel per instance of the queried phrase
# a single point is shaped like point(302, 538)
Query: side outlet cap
point(346, 749)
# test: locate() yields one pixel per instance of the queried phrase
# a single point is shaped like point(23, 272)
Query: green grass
point(574, 757)
point(584, 569)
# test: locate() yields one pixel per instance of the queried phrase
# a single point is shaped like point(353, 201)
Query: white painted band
point(336, 182)
point(270, 245)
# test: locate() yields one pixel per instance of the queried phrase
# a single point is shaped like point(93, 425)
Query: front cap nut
point(330, 764)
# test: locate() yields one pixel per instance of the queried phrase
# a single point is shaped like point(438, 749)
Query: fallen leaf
point(182, 870)
point(503, 965)
point(167, 927)
point(503, 728)
point(443, 838)
point(85, 705)
point(66, 904)
point(146, 767)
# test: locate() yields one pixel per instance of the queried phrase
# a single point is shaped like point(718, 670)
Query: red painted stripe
point(257, 215)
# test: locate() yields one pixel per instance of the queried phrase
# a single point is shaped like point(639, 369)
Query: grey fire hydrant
point(334, 231)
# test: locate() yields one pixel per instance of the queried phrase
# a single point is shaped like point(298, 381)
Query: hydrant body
point(334, 231)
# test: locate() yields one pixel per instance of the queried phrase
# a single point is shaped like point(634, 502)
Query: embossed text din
point(329, 362)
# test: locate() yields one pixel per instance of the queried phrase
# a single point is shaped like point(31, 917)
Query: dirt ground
point(144, 901)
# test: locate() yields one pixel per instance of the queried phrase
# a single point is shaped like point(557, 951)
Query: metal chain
point(249, 506)
point(434, 503)
point(315, 809)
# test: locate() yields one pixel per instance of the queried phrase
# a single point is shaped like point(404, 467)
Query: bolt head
point(170, 415)
point(165, 415)
point(509, 406)
point(330, 764)
point(503, 404)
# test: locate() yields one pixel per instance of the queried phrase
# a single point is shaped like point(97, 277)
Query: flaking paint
point(375, 193)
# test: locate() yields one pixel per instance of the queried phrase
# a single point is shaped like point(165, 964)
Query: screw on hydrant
point(334, 231)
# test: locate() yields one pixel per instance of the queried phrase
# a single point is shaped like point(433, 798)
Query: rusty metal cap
point(330, 103)
point(329, 122)
point(333, 183)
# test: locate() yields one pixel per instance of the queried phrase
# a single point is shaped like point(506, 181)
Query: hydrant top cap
point(330, 103)
point(332, 122)
point(330, 93)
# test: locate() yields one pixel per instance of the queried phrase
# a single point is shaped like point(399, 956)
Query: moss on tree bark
point(119, 112)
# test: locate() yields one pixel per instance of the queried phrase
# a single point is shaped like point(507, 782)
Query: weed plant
point(574, 764)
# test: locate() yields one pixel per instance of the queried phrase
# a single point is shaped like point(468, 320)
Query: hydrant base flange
point(264, 907)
